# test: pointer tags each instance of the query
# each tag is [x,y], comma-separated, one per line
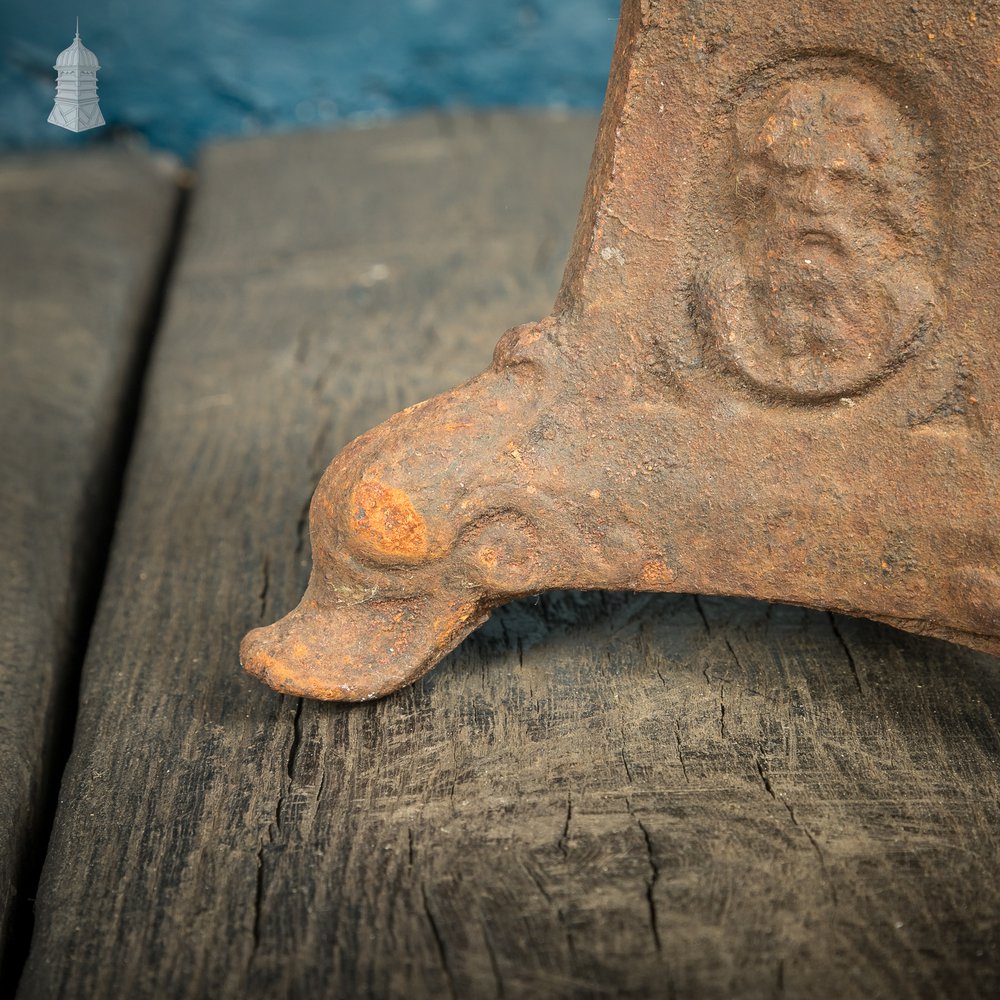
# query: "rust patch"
[383,518]
[655,574]
[451,628]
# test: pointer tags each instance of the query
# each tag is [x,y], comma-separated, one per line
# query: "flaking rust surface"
[772,369]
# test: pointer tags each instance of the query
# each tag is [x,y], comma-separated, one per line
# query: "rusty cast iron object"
[773,368]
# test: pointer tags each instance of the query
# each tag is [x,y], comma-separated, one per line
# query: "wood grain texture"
[596,795]
[83,235]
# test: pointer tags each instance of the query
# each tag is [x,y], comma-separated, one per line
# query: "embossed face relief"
[829,287]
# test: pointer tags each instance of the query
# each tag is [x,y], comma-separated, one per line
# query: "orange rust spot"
[384,517]
[276,672]
[447,627]
[656,573]
[295,678]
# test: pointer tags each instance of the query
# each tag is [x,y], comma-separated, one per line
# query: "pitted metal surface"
[772,370]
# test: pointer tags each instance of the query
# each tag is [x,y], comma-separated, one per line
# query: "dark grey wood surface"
[596,795]
[82,239]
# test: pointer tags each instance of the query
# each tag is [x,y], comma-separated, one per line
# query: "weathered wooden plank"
[596,795]
[83,238]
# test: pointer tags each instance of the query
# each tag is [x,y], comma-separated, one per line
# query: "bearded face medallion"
[830,288]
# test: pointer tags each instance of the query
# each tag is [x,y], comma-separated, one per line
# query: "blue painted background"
[182,72]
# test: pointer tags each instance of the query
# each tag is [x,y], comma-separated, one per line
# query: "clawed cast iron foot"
[771,371]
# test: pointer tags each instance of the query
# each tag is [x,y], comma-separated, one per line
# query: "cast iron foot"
[772,369]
